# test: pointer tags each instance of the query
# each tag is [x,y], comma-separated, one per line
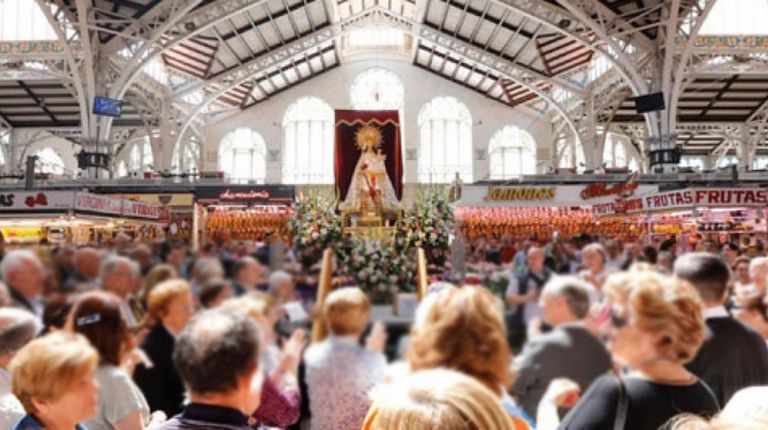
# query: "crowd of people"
[587,333]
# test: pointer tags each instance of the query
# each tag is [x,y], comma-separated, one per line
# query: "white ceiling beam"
[466,52]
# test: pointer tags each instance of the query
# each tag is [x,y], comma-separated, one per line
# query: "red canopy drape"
[348,122]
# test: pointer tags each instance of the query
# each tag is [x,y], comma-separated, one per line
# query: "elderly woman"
[656,327]
[170,306]
[122,406]
[463,329]
[437,399]
[340,372]
[594,258]
[53,378]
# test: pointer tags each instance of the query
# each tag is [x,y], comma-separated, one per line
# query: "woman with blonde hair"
[437,399]
[170,307]
[53,378]
[656,327]
[158,274]
[463,329]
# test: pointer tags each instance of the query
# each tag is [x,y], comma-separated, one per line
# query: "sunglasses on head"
[618,321]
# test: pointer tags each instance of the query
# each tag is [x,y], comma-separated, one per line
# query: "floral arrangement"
[315,226]
[379,269]
[428,224]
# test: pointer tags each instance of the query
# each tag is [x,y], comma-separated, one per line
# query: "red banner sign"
[601,190]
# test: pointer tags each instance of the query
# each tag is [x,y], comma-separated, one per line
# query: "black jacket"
[734,357]
[160,384]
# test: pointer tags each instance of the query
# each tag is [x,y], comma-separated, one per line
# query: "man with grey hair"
[281,287]
[17,328]
[24,275]
[84,277]
[569,350]
[118,275]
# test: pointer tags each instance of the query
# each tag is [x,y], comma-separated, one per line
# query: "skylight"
[376,36]
[23,20]
[737,17]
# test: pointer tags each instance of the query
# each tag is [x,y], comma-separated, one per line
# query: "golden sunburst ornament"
[368,138]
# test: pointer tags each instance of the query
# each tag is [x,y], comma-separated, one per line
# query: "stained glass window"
[377,89]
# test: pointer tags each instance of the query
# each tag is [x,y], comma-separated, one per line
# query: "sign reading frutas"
[521,193]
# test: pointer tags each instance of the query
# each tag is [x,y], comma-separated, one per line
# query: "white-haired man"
[17,328]
[568,351]
[24,275]
[118,275]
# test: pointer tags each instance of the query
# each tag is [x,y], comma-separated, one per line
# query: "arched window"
[512,153]
[122,170]
[377,89]
[728,160]
[185,156]
[308,142]
[572,156]
[445,148]
[242,156]
[692,162]
[614,152]
[50,161]
[141,157]
[760,162]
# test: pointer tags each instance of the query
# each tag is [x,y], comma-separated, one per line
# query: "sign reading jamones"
[692,197]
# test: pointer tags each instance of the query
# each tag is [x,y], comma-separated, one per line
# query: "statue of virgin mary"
[371,189]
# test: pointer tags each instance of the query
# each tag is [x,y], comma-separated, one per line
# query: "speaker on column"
[649,102]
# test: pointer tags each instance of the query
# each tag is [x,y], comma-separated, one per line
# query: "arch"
[185,156]
[141,157]
[242,155]
[308,142]
[377,89]
[445,146]
[49,161]
[615,152]
[512,152]
[122,169]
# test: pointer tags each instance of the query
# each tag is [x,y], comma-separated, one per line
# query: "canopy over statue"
[368,161]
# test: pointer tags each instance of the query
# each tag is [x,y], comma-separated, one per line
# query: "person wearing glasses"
[170,307]
[656,326]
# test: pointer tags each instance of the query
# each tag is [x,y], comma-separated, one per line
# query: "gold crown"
[368,138]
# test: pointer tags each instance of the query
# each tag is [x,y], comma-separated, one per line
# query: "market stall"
[519,212]
[179,207]
[244,212]
[696,214]
[73,216]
